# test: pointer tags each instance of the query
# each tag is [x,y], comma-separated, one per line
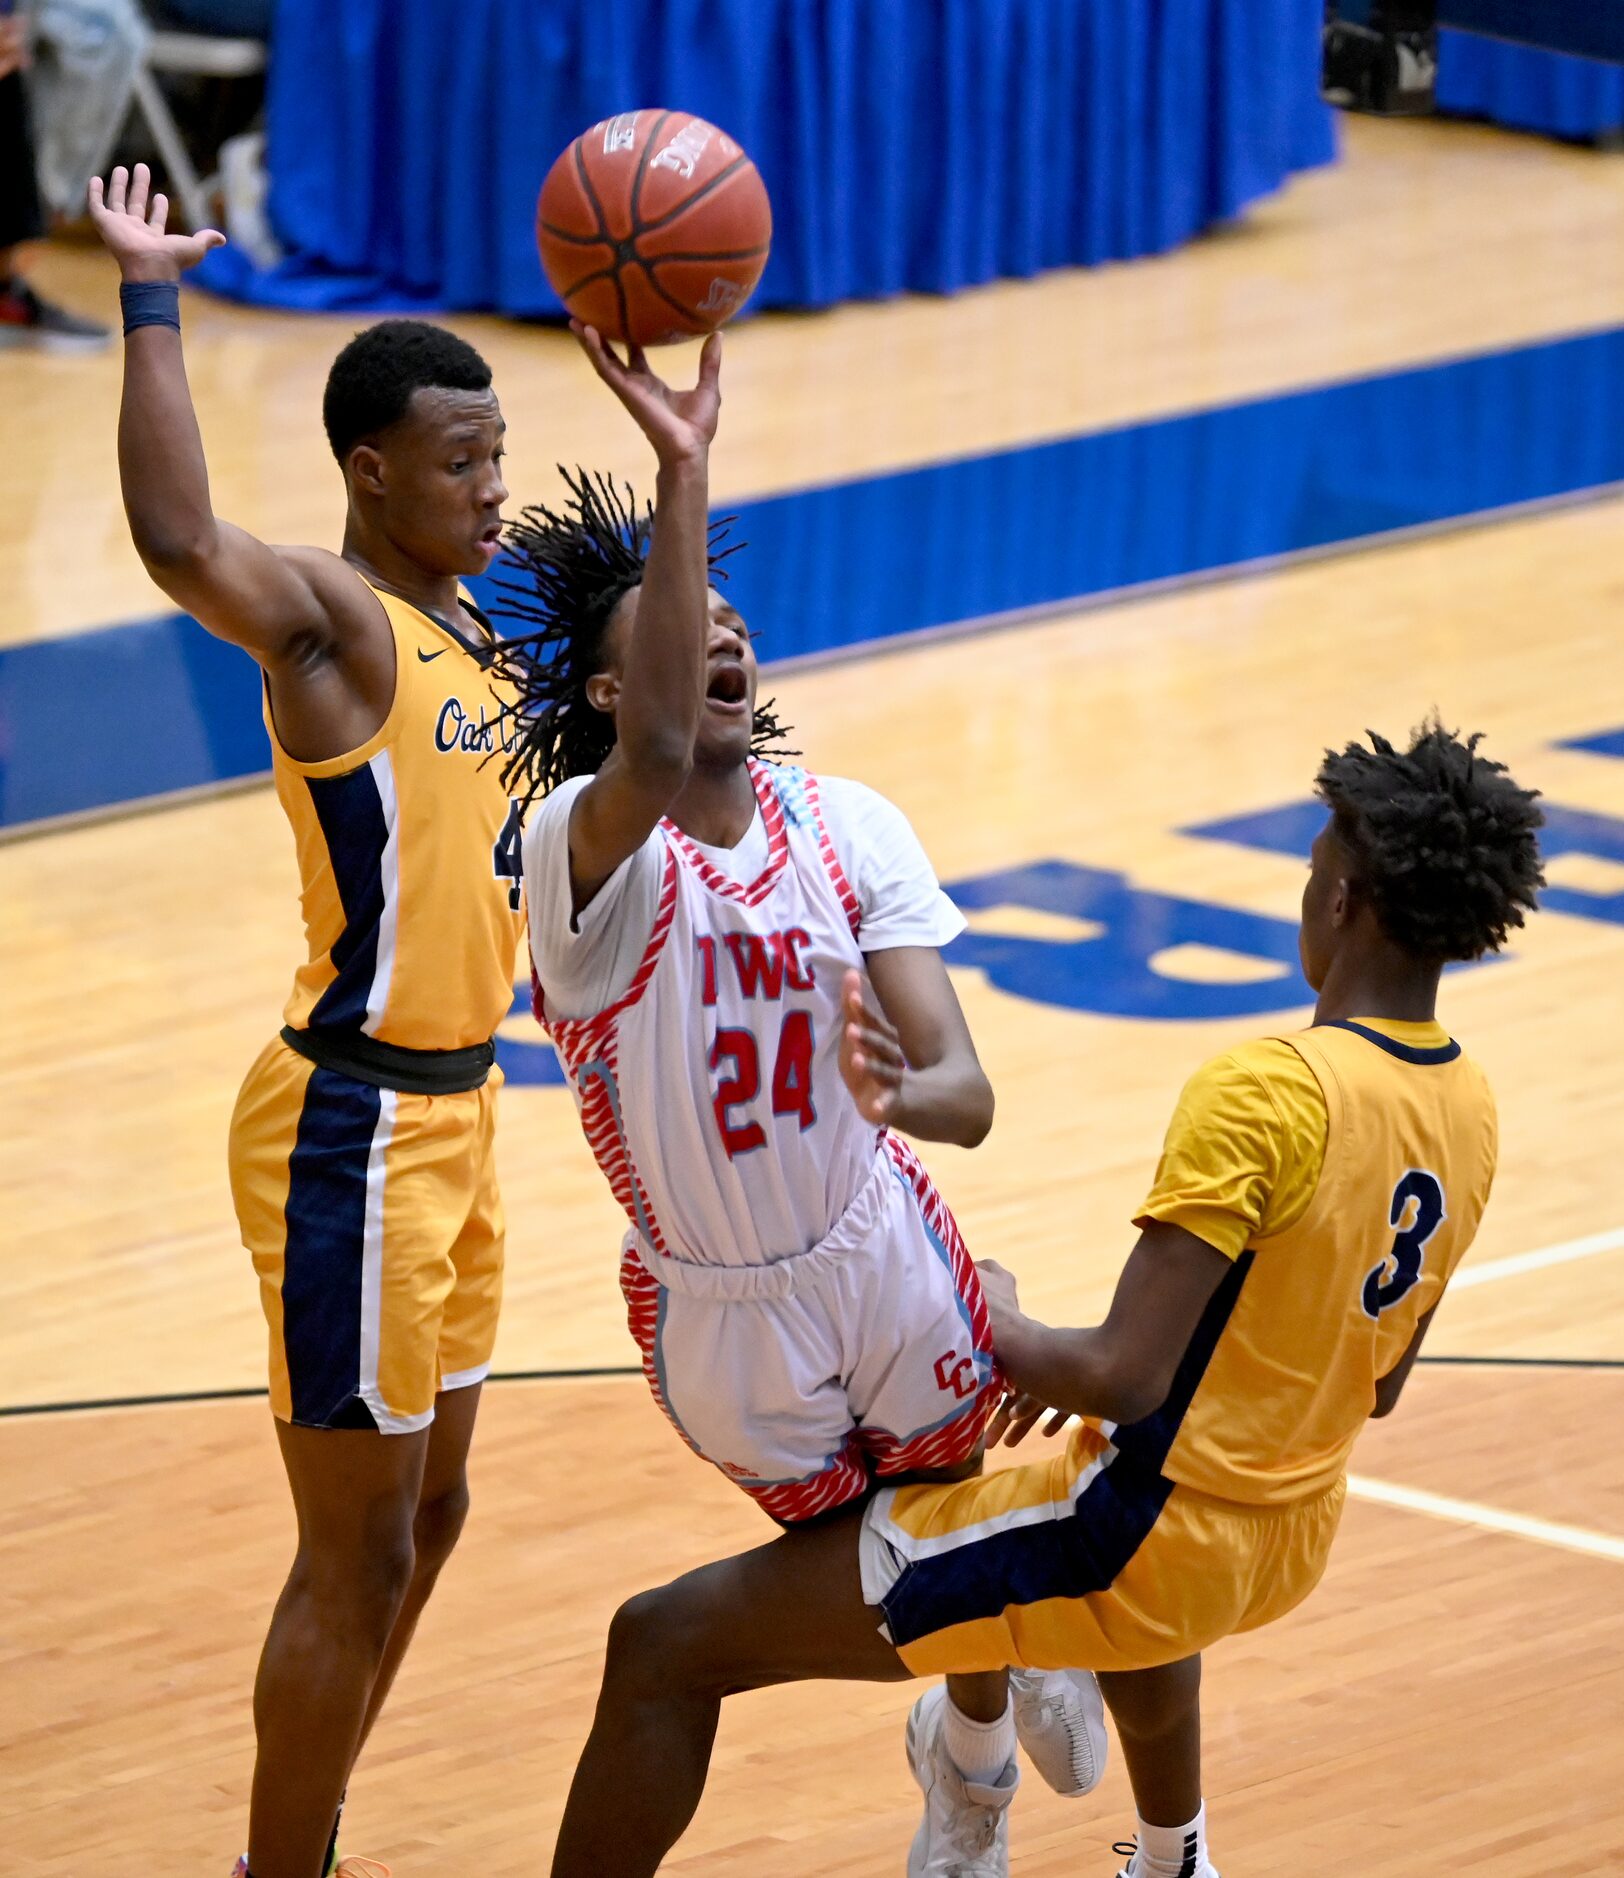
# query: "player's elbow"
[1130,1400]
[979,1104]
[1128,1388]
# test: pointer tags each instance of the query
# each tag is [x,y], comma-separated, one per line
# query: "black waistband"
[388,1066]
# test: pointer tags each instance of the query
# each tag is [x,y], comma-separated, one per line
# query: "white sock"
[1172,1851]
[979,1750]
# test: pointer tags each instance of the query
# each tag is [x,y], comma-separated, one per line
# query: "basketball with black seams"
[654,226]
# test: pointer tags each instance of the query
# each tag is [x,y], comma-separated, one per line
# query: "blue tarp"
[908,145]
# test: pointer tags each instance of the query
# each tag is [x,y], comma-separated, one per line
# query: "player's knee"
[385,1576]
[356,1588]
[634,1650]
[438,1526]
[657,1640]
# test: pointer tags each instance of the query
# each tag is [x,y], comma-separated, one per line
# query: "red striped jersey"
[709,1084]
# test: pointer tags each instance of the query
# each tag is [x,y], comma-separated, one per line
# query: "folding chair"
[195,55]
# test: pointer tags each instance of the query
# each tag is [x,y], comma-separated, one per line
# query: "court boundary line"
[183,1398]
[1487,1518]
[981,625]
[1563,1253]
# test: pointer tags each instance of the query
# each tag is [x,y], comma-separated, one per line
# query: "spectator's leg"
[20,218]
[26,319]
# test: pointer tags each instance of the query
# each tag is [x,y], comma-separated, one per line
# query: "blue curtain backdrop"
[909,145]
[1551,92]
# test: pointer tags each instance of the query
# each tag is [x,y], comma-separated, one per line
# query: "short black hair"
[1444,840]
[373,378]
[578,565]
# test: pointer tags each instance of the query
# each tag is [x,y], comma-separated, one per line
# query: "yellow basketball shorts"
[375,1226]
[1086,1561]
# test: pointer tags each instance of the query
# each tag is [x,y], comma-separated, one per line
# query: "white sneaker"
[1060,1721]
[965,1831]
[1133,1869]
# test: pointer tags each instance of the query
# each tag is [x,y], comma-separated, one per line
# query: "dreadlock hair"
[579,566]
[372,380]
[1444,840]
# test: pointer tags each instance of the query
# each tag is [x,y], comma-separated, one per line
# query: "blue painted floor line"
[106,719]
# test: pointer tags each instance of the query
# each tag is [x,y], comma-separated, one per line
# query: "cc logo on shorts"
[957,1373]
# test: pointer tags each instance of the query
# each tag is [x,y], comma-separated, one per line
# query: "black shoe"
[27,320]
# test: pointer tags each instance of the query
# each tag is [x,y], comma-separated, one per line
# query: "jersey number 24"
[792,1081]
[1398,1274]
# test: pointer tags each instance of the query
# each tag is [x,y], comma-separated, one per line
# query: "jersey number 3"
[1398,1273]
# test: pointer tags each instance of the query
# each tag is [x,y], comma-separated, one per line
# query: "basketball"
[653,226]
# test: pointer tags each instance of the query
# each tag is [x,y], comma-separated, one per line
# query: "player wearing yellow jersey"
[361,1147]
[1316,1192]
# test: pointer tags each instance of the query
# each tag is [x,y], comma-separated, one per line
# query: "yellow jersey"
[410,865]
[1345,1170]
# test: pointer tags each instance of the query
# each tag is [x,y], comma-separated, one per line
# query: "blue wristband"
[149,303]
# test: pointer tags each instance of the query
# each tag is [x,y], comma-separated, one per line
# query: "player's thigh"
[920,1374]
[1073,1561]
[354,1202]
[478,1252]
[752,1384]
[430,1319]
[789,1611]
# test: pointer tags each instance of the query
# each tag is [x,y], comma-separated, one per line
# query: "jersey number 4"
[507,857]
[792,1081]
[1397,1275]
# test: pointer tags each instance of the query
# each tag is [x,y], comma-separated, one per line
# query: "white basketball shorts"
[805,1380]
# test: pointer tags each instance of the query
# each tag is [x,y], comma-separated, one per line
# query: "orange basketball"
[654,226]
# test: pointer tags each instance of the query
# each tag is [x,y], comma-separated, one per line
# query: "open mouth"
[728,687]
[492,536]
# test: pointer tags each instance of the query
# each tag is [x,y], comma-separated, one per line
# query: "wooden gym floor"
[1449,1699]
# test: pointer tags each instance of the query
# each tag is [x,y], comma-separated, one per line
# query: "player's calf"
[1158,1717]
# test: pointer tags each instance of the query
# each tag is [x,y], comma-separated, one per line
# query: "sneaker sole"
[1098,1747]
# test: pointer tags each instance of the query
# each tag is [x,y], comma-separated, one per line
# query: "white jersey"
[702,1038]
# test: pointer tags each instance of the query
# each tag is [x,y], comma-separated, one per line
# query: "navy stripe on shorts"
[326,1228]
[1084,1551]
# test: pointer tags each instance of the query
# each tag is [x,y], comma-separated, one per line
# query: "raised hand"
[871,1059]
[132,226]
[678,423]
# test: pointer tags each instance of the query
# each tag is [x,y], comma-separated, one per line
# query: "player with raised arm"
[362,1143]
[1315,1194]
[701,926]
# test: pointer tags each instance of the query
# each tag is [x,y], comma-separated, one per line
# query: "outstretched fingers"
[710,362]
[140,185]
[593,344]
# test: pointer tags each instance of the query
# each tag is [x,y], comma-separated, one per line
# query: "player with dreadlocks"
[1315,1194]
[740,967]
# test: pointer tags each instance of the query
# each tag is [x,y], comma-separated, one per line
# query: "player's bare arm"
[655,689]
[906,1052]
[300,611]
[1122,1369]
